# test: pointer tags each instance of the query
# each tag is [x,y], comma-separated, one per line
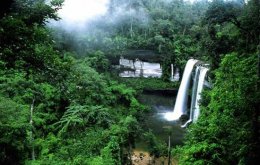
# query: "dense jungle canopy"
[60,102]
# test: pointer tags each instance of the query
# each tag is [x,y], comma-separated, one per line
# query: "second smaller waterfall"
[196,110]
[198,84]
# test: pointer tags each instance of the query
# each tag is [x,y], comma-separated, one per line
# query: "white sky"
[82,11]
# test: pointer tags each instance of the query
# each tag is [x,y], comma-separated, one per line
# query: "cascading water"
[180,107]
[193,97]
[202,76]
[172,73]
[198,83]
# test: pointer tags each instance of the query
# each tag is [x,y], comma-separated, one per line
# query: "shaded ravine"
[160,103]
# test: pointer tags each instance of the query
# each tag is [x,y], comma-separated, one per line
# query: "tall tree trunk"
[131,27]
[31,133]
[131,20]
[184,30]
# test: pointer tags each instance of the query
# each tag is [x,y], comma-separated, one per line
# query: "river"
[161,103]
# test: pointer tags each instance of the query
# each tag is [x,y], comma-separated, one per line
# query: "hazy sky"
[76,14]
[79,12]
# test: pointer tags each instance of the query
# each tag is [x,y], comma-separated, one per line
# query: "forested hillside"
[62,103]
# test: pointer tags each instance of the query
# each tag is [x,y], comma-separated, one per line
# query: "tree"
[14,127]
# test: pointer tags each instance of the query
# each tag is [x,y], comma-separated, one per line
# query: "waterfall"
[199,76]
[176,75]
[197,88]
[193,97]
[180,107]
[196,110]
[172,73]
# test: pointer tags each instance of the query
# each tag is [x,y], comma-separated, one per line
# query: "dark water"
[160,104]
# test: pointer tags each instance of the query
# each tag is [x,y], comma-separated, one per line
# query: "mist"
[89,25]
[81,15]
[91,22]
[76,15]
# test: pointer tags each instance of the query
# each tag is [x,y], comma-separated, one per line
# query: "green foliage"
[80,116]
[14,125]
[149,84]
[107,155]
[81,83]
[98,61]
[157,147]
[220,12]
[229,29]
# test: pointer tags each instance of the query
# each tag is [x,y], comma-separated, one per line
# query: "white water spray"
[180,107]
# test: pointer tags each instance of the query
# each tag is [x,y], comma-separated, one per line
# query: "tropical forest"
[129,82]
